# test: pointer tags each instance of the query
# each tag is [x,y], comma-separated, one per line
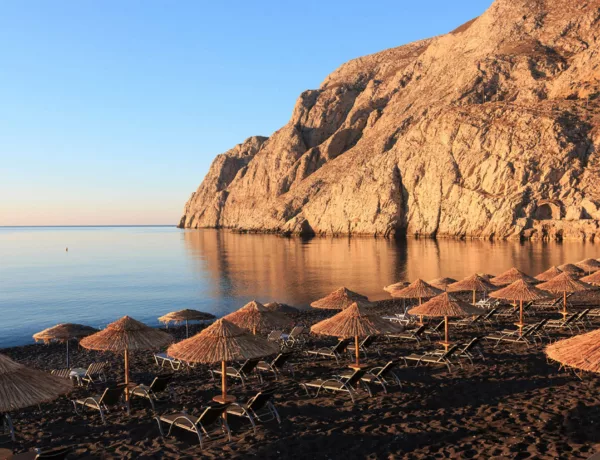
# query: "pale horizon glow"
[112,112]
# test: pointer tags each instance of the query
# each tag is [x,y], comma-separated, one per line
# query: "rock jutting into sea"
[489,131]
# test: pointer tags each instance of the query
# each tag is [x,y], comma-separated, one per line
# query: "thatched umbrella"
[571,269]
[475,283]
[520,290]
[588,265]
[184,316]
[564,283]
[396,286]
[339,299]
[441,283]
[222,342]
[418,289]
[63,333]
[447,306]
[594,278]
[355,321]
[125,335]
[255,317]
[21,386]
[510,276]
[549,274]
[580,352]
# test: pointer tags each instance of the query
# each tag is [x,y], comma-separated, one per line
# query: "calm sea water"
[146,272]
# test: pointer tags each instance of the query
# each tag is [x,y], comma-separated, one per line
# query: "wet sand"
[513,405]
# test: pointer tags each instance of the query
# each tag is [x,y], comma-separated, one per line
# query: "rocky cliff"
[490,131]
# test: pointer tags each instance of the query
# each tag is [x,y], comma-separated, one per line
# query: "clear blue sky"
[112,111]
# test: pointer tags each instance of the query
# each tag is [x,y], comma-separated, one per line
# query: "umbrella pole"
[357,351]
[126,375]
[187,331]
[564,312]
[420,316]
[446,343]
[521,318]
[474,297]
[68,354]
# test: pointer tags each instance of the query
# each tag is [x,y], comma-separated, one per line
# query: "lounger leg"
[160,430]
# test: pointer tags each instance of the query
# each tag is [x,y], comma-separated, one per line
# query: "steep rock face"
[489,131]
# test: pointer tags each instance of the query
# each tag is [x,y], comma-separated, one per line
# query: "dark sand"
[514,405]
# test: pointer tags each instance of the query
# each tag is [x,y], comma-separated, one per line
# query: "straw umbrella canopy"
[520,290]
[222,342]
[441,283]
[564,283]
[549,274]
[447,306]
[255,317]
[474,283]
[22,386]
[571,269]
[510,276]
[281,307]
[594,278]
[339,300]
[396,286]
[355,321]
[418,289]
[125,335]
[580,352]
[184,316]
[588,265]
[63,333]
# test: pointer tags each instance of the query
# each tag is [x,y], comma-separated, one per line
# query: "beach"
[512,405]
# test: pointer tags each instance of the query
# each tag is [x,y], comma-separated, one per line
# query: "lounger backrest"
[472,344]
[249,366]
[160,383]
[55,454]
[453,349]
[95,368]
[281,359]
[211,414]
[387,368]
[583,314]
[341,346]
[420,330]
[275,335]
[439,326]
[356,376]
[368,341]
[297,331]
[490,313]
[259,401]
[571,319]
[112,395]
[62,373]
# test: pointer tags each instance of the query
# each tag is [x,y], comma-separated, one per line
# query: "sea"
[95,275]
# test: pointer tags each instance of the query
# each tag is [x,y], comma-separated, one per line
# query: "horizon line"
[99,225]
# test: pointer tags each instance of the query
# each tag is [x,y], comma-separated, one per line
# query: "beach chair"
[62,373]
[471,351]
[489,318]
[277,366]
[93,374]
[436,331]
[413,334]
[110,398]
[163,359]
[275,336]
[443,358]
[567,323]
[383,375]
[366,344]
[159,386]
[338,384]
[242,373]
[582,321]
[331,352]
[530,333]
[57,453]
[210,417]
[258,408]
[295,338]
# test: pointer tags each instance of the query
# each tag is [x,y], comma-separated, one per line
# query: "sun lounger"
[471,351]
[530,333]
[62,373]
[443,358]
[57,453]
[331,352]
[436,331]
[110,398]
[383,375]
[275,336]
[364,346]
[93,374]
[242,373]
[567,323]
[277,366]
[582,321]
[159,386]
[413,334]
[258,408]
[210,417]
[338,384]
[295,338]
[163,359]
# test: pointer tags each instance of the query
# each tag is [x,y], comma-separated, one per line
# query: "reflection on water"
[147,272]
[296,271]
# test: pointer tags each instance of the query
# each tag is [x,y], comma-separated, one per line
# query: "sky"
[111,112]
